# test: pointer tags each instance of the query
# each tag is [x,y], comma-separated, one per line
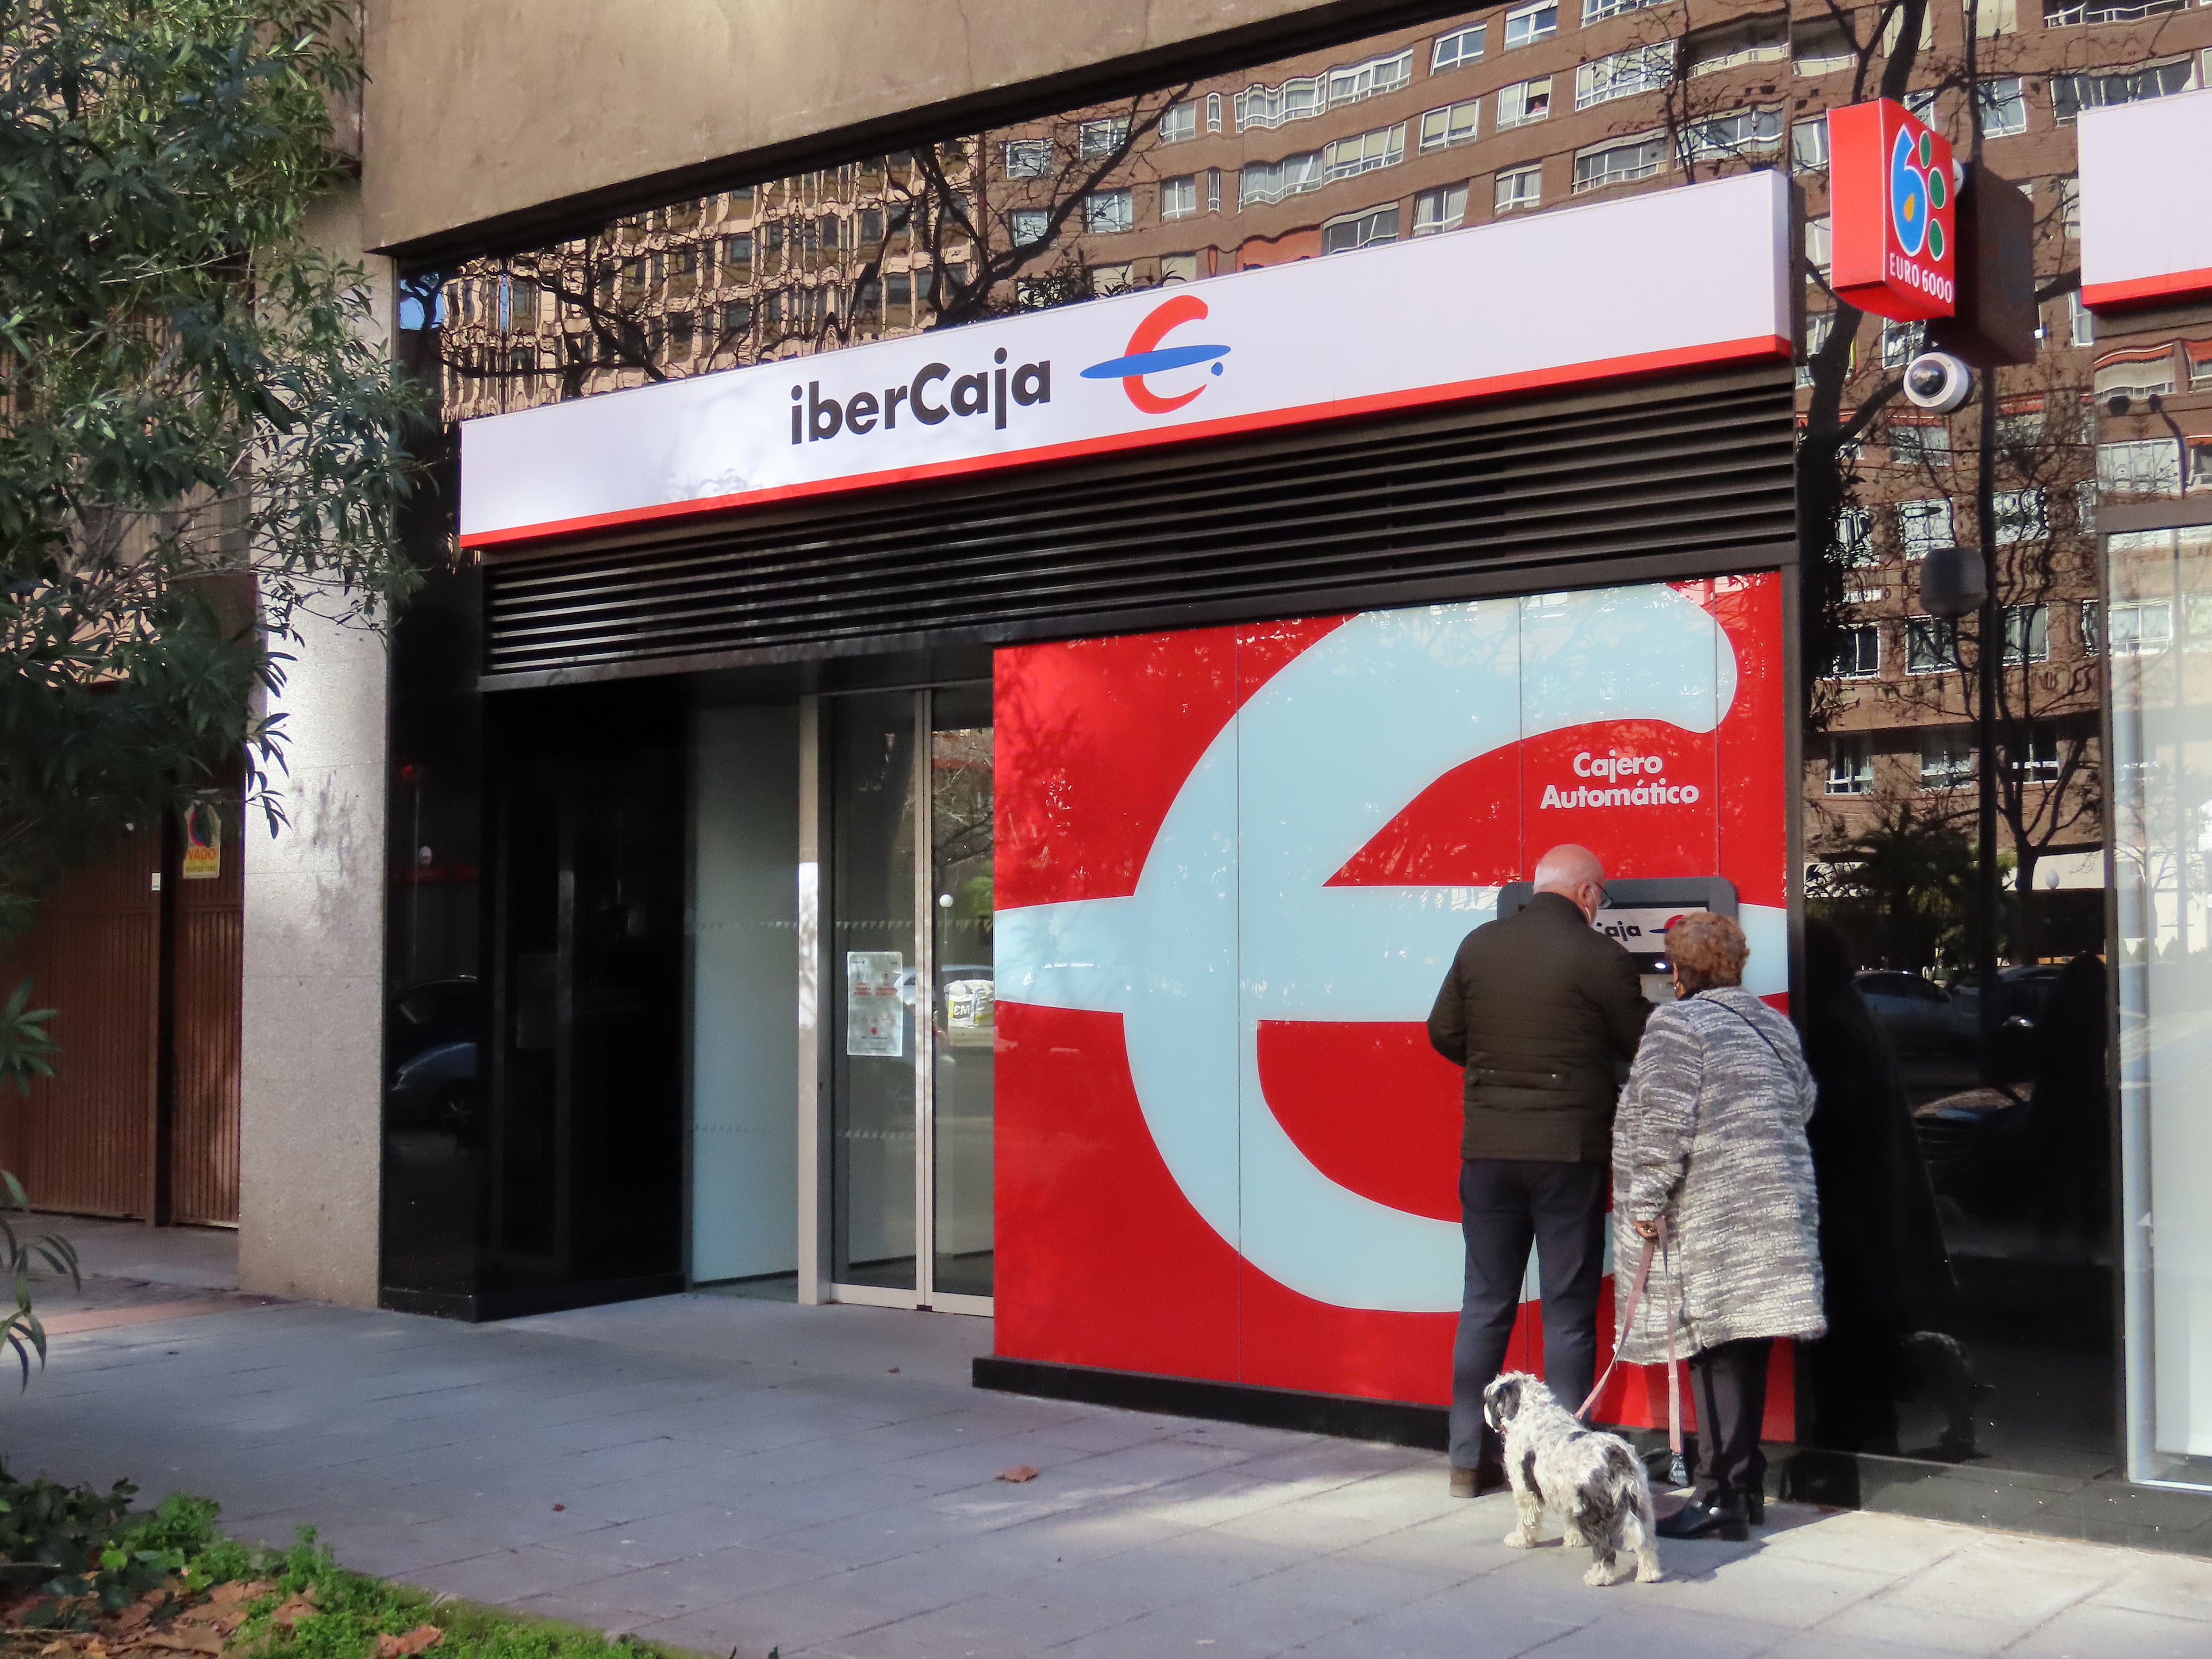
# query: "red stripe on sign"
[2175,284]
[1647,362]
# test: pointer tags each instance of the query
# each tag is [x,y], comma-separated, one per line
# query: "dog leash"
[1651,1247]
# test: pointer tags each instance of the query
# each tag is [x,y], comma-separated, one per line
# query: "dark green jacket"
[1542,1009]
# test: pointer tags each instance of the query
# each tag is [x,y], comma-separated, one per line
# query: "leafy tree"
[200,440]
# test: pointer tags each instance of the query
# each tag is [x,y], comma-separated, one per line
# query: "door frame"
[819,982]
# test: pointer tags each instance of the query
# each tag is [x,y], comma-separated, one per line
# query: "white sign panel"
[875,1013]
[1665,281]
[2145,236]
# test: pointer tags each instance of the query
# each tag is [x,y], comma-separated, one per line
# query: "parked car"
[432,1037]
[1915,1013]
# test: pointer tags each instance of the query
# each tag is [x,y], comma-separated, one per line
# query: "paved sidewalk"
[723,1474]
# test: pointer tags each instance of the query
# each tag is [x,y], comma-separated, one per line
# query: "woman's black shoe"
[1754,1505]
[1704,1518]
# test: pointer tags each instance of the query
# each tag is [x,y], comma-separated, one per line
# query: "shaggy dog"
[1594,1482]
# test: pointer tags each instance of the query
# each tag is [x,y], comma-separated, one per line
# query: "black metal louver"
[1697,473]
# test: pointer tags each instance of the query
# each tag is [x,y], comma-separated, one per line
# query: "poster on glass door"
[1232,866]
[875,1015]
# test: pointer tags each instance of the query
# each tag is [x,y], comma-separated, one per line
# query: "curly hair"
[1706,950]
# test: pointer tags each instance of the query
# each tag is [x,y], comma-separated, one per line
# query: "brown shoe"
[1487,1477]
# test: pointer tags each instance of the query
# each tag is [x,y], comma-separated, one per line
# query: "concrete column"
[311,1121]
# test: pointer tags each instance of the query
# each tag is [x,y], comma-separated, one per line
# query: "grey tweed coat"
[1711,1131]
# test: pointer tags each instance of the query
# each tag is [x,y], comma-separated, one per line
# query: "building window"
[2139,628]
[2199,353]
[1619,164]
[1524,101]
[1347,158]
[1106,280]
[1595,11]
[1102,136]
[1213,112]
[1441,210]
[1267,108]
[1178,268]
[1179,196]
[1027,158]
[1753,40]
[2080,321]
[1808,145]
[1919,438]
[2004,107]
[2022,516]
[1855,535]
[1930,645]
[2072,94]
[1213,190]
[1946,760]
[1526,25]
[1028,225]
[1850,766]
[2020,426]
[1820,244]
[1624,74]
[1924,526]
[1901,343]
[1858,653]
[2146,467]
[1461,47]
[1105,211]
[1179,122]
[1350,232]
[1520,187]
[2134,375]
[1995,17]
[1454,125]
[1747,132]
[1819,325]
[2085,507]
[738,315]
[1823,48]
[2026,634]
[2057,15]
[1271,181]
[1376,75]
[2037,760]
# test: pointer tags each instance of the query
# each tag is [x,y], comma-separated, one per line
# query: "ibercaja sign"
[1893,196]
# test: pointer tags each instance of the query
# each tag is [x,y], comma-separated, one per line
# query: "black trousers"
[1731,1384]
[1506,1205]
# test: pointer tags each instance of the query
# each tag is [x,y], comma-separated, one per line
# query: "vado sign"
[1532,301]
[1893,194]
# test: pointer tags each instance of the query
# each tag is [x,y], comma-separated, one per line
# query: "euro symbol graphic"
[1145,354]
[1233,922]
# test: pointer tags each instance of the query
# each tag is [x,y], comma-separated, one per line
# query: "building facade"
[900,788]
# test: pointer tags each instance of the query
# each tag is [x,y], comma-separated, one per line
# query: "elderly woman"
[1710,1137]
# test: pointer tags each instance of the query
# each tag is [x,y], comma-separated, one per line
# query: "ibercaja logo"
[1895,200]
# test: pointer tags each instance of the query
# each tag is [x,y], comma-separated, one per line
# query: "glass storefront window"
[2161,787]
[964,1025]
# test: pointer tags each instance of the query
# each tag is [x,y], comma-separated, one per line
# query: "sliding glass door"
[909,915]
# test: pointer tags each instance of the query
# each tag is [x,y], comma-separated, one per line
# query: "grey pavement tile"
[504,1576]
[1785,1593]
[1205,1500]
[1155,1576]
[694,1529]
[1834,1644]
[2106,1632]
[699,1581]
[1463,1624]
[2173,1584]
[1895,1544]
[880,1533]
[1990,1628]
[1638,1628]
[1469,1540]
[793,1618]
[1298,1525]
[982,1627]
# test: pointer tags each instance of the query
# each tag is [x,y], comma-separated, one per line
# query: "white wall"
[744,1053]
[311,1112]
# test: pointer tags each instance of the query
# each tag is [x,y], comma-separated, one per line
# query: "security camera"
[1937,381]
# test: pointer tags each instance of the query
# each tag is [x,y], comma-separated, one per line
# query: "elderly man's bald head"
[1573,872]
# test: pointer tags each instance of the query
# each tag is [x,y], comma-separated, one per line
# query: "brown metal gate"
[142,1118]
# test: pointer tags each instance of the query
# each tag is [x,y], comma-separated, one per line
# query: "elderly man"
[1542,1011]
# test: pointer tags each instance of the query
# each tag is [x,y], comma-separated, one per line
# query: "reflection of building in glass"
[1421,132]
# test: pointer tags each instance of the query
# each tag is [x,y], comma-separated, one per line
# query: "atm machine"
[1639,912]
